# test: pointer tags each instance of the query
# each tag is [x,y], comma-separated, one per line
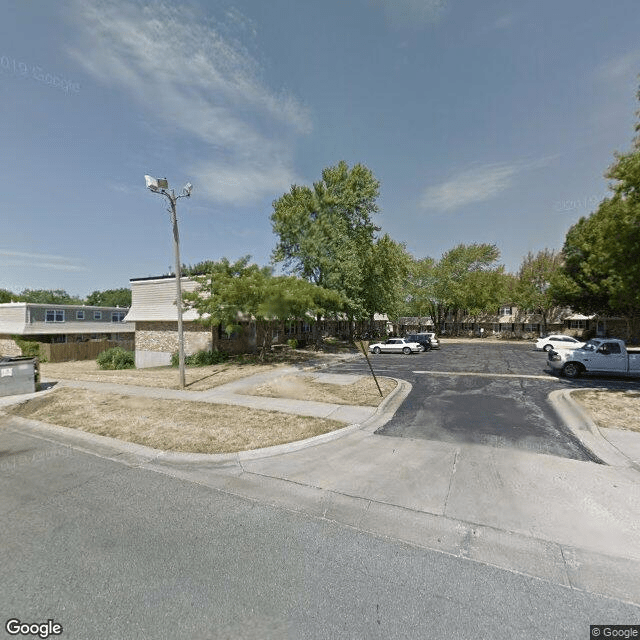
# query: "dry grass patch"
[197,378]
[612,409]
[361,392]
[171,425]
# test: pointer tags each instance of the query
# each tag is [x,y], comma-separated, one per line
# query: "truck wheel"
[376,350]
[406,350]
[572,370]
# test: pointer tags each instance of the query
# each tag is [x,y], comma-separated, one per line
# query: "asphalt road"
[493,394]
[110,550]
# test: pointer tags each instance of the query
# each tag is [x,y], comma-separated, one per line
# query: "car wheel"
[376,350]
[547,347]
[572,370]
[426,347]
[406,350]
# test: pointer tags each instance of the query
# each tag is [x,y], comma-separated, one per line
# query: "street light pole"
[162,186]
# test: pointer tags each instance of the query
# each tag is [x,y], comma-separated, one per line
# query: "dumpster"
[18,375]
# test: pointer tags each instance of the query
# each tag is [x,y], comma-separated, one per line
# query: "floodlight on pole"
[161,185]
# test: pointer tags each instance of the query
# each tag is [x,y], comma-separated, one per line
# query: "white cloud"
[197,78]
[412,12]
[38,260]
[242,183]
[470,186]
[623,66]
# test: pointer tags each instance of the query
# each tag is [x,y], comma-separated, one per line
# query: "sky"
[488,121]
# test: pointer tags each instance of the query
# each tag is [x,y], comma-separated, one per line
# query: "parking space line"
[488,375]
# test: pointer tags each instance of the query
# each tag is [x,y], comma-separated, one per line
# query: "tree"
[533,285]
[49,296]
[385,271]
[110,298]
[231,292]
[7,296]
[325,233]
[602,252]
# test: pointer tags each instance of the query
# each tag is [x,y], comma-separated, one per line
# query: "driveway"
[493,394]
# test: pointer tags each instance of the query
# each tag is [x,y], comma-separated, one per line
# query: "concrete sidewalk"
[573,523]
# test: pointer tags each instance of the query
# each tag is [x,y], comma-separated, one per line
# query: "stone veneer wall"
[163,337]
[8,347]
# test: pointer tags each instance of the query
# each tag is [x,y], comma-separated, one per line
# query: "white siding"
[13,317]
[156,300]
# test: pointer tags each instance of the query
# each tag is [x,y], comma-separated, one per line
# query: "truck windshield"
[590,346]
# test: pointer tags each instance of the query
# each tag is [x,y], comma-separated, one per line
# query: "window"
[531,328]
[118,316]
[97,315]
[505,311]
[54,315]
[577,324]
[79,315]
[610,347]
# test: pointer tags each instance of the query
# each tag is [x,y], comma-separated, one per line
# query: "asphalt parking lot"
[486,393]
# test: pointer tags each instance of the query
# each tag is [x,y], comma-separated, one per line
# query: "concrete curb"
[586,431]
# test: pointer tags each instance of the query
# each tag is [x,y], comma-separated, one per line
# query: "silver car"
[395,345]
[557,342]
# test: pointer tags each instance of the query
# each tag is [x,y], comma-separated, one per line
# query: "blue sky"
[486,121]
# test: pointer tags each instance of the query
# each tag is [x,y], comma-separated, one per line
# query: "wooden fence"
[66,351]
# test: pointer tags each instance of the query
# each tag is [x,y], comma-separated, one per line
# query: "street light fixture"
[161,186]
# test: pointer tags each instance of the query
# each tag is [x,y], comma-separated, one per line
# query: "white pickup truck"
[600,355]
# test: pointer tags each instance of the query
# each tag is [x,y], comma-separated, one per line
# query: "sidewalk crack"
[453,473]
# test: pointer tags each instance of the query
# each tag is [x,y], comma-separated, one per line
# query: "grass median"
[193,426]
[171,425]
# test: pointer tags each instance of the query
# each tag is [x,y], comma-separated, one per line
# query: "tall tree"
[602,252]
[110,298]
[325,233]
[466,278]
[385,271]
[533,284]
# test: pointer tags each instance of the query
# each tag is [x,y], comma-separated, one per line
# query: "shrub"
[201,358]
[116,358]
[30,348]
[293,343]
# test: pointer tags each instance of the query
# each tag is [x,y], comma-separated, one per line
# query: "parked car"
[596,356]
[557,342]
[422,337]
[395,345]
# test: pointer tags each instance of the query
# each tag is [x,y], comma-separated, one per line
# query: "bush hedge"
[30,348]
[116,358]
[201,358]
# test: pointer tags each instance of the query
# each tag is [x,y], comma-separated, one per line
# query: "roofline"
[55,304]
[156,278]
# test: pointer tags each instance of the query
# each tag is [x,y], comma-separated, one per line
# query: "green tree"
[110,298]
[7,296]
[232,292]
[533,285]
[385,270]
[325,233]
[49,296]
[602,252]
